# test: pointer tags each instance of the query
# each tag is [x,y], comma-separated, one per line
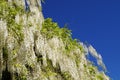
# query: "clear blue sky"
[94,21]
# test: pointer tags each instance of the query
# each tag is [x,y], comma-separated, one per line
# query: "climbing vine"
[51,29]
[8,14]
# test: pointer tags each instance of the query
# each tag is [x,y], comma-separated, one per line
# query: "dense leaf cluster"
[51,29]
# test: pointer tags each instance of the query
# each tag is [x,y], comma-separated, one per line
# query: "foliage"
[51,29]
[100,77]
[19,76]
[49,70]
[66,76]
[77,59]
[8,13]
[22,74]
[91,70]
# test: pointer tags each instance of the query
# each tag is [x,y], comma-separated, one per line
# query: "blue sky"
[94,21]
